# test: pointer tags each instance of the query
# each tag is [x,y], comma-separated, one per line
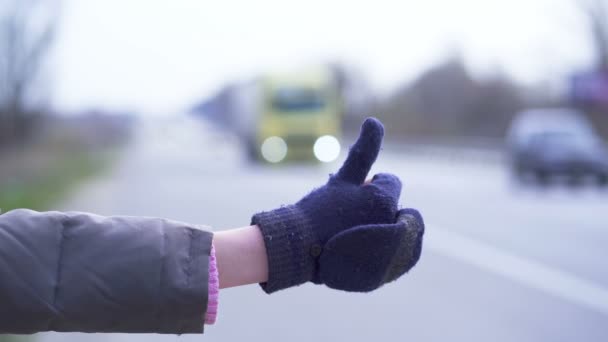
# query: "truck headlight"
[326,148]
[274,149]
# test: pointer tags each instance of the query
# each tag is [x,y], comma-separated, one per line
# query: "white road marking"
[527,272]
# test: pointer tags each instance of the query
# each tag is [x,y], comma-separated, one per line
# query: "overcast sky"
[160,56]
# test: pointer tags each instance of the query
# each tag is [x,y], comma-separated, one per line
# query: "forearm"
[241,256]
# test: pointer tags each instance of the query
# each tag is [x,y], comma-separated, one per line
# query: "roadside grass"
[63,172]
[14,338]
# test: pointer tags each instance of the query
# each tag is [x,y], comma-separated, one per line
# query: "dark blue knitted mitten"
[346,234]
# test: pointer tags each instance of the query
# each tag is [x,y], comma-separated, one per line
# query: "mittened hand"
[346,234]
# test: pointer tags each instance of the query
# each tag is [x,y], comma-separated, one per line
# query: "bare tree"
[594,101]
[27,28]
[446,100]
[596,12]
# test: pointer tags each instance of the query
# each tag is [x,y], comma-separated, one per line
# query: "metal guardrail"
[470,150]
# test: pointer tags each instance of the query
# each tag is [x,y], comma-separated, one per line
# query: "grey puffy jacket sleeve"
[88,273]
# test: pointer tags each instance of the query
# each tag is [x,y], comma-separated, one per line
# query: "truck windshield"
[298,100]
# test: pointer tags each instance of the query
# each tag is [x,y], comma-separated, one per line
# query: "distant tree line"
[27,30]
[595,13]
[447,101]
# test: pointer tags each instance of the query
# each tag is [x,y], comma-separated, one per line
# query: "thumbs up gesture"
[348,234]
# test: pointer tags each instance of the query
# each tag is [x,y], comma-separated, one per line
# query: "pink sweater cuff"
[213,289]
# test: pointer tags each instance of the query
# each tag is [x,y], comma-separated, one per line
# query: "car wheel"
[518,174]
[575,179]
[602,179]
[251,150]
[542,177]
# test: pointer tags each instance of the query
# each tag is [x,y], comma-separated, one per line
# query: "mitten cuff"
[289,239]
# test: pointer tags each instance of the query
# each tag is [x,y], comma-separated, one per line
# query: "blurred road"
[500,262]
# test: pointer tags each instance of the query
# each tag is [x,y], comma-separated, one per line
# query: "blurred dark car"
[556,142]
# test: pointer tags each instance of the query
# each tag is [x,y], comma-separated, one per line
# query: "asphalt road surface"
[500,262]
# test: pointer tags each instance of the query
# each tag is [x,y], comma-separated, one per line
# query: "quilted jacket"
[88,273]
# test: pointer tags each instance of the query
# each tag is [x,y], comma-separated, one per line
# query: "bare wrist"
[241,256]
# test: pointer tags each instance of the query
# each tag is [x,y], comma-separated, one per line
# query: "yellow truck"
[300,117]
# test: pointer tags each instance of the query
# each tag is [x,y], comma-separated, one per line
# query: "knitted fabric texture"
[213,289]
[288,237]
[296,235]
